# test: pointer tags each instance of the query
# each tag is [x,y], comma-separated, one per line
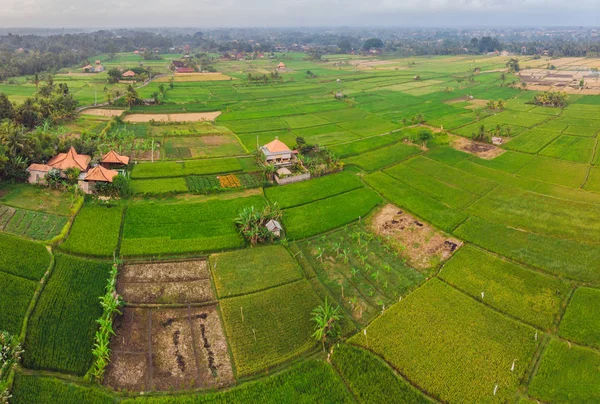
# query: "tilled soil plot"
[169,348]
[422,245]
[482,150]
[166,283]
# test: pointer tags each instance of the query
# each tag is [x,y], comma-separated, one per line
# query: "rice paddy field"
[463,272]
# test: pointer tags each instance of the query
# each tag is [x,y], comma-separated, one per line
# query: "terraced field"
[463,272]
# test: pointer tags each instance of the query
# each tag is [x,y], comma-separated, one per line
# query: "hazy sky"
[257,13]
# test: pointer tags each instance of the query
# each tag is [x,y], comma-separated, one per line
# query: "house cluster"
[179,67]
[97,68]
[89,176]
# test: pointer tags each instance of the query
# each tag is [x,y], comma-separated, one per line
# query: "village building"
[281,66]
[129,74]
[113,160]
[87,182]
[274,227]
[88,177]
[61,162]
[181,70]
[177,64]
[98,69]
[278,154]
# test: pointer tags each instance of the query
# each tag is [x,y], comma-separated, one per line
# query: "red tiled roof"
[113,157]
[277,146]
[70,159]
[39,167]
[129,73]
[100,173]
[185,70]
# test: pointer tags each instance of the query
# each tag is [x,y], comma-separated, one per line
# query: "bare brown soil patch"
[184,117]
[477,103]
[422,245]
[187,77]
[483,150]
[166,283]
[103,112]
[214,140]
[169,348]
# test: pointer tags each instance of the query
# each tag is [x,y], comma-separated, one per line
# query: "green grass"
[39,389]
[572,148]
[371,379]
[449,195]
[326,214]
[567,375]
[565,258]
[508,161]
[447,155]
[539,213]
[309,191]
[593,181]
[451,175]
[155,229]
[415,201]
[13,308]
[253,269]
[166,169]
[581,321]
[60,332]
[95,231]
[159,186]
[383,157]
[270,327]
[555,171]
[309,382]
[23,258]
[531,141]
[522,293]
[36,198]
[451,346]
[362,146]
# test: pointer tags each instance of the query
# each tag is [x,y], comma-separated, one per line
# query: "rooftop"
[100,173]
[70,159]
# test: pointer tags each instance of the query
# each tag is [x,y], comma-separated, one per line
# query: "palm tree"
[326,318]
[13,138]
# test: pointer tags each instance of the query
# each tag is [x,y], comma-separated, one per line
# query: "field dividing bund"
[530,296]
[95,231]
[316,189]
[563,258]
[540,214]
[60,331]
[183,228]
[567,373]
[359,271]
[267,328]
[413,200]
[327,214]
[581,321]
[252,270]
[165,169]
[451,346]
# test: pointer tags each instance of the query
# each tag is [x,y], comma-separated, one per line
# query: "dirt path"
[185,117]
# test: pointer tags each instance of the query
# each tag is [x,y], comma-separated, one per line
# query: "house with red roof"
[88,177]
[278,154]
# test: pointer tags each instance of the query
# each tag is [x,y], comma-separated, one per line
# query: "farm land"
[464,271]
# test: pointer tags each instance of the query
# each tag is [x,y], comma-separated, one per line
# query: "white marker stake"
[365,332]
[512,368]
[536,335]
[242,313]
[482,295]
[495,389]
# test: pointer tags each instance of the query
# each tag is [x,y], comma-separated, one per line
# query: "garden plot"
[422,245]
[189,117]
[182,147]
[166,282]
[28,223]
[360,271]
[166,348]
